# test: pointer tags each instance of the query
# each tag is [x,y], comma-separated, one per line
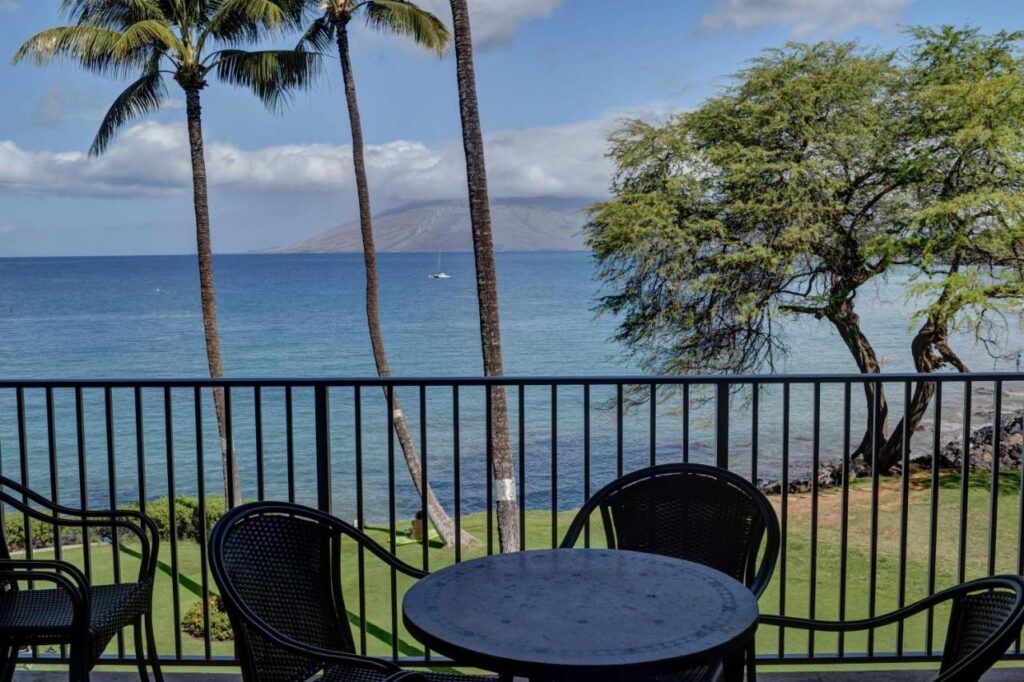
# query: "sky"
[554,77]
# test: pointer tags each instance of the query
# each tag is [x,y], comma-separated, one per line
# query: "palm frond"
[404,18]
[145,34]
[114,14]
[238,20]
[319,36]
[91,47]
[142,97]
[273,75]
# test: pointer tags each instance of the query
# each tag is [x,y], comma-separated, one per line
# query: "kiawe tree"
[499,446]
[190,41]
[822,168]
[331,29]
[774,199]
[964,93]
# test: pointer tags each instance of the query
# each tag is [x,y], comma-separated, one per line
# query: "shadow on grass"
[183,580]
[381,635]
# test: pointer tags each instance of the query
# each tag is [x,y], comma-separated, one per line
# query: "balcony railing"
[852,547]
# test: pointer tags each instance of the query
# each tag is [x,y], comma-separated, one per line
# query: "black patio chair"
[694,512]
[985,619]
[70,610]
[278,567]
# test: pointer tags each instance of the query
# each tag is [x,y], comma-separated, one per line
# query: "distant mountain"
[536,224]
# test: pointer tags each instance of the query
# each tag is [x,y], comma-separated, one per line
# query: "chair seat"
[351,674]
[31,617]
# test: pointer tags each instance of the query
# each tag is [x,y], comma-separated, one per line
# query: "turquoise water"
[302,316]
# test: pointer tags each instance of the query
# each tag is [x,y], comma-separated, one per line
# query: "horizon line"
[266,252]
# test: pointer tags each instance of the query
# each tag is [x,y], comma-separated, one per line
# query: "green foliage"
[397,17]
[41,532]
[186,515]
[121,37]
[220,626]
[966,94]
[770,199]
[820,168]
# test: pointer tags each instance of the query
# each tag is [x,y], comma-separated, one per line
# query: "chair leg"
[8,661]
[154,656]
[78,671]
[140,651]
[733,666]
[751,664]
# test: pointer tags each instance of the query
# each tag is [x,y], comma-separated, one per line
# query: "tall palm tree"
[190,41]
[486,276]
[402,18]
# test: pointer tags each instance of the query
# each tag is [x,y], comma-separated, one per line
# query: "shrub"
[186,521]
[186,515]
[42,533]
[220,626]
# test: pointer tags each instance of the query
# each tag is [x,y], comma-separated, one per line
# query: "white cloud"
[152,159]
[495,22]
[9,5]
[832,17]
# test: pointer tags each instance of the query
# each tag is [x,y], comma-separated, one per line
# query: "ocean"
[303,316]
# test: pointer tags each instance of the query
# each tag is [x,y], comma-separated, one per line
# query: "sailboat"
[439,274]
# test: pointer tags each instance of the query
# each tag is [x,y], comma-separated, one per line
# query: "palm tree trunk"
[193,109]
[438,516]
[486,277]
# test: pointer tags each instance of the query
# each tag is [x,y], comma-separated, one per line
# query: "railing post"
[722,425]
[322,415]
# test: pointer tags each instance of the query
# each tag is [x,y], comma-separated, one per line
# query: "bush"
[220,626]
[186,515]
[186,521]
[42,533]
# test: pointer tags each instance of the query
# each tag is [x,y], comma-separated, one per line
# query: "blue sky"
[553,77]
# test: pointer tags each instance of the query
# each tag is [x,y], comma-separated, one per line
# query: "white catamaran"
[439,274]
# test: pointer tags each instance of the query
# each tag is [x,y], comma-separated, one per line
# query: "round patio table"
[580,614]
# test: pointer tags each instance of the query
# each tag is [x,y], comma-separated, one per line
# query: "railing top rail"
[565,380]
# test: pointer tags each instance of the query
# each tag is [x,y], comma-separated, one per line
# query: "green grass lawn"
[377,619]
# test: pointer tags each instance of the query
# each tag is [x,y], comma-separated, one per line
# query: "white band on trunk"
[505,490]
[397,414]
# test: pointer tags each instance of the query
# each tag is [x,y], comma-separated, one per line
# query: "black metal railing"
[852,546]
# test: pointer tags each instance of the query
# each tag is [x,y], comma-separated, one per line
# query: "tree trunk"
[847,323]
[932,352]
[438,517]
[232,491]
[486,277]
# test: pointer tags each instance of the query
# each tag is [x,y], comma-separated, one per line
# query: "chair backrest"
[280,563]
[689,511]
[986,618]
[27,502]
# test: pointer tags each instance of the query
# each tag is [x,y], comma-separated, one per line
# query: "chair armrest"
[831,625]
[387,557]
[1008,582]
[137,523]
[855,625]
[65,576]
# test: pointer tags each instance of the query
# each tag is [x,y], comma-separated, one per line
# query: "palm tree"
[486,276]
[189,40]
[402,18]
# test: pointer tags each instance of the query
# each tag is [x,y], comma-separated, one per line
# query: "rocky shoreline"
[951,456]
